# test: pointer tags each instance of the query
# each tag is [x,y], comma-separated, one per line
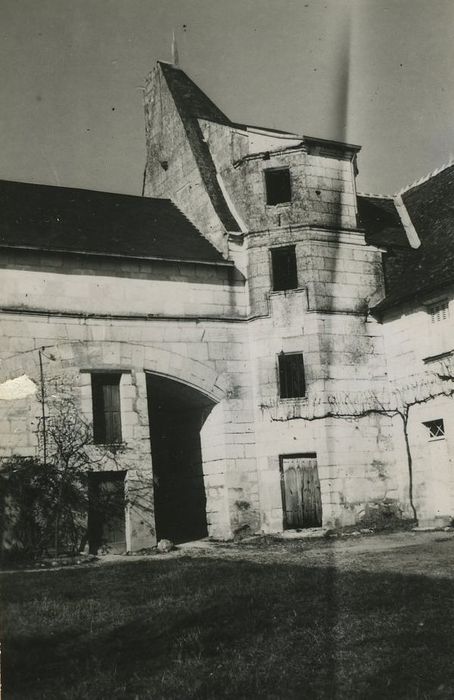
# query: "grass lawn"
[299,623]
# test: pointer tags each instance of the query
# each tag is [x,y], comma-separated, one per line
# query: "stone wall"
[135,318]
[343,358]
[337,270]
[171,169]
[211,329]
[84,284]
[322,181]
[324,318]
[416,349]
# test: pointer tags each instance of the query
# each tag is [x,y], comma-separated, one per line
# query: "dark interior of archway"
[177,413]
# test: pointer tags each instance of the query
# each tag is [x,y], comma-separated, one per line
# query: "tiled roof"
[43,217]
[192,104]
[418,273]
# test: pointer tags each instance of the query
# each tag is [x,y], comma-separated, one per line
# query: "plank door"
[302,503]
[106,514]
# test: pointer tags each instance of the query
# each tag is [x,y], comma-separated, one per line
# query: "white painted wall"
[412,344]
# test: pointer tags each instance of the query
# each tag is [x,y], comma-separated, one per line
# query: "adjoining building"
[416,231]
[250,331]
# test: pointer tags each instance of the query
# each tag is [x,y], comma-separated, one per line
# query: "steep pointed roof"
[190,100]
[192,104]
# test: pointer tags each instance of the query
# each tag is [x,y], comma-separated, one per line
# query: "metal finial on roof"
[175,57]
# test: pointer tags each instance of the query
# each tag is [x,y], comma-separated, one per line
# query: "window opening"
[283,262]
[106,408]
[277,183]
[436,428]
[292,382]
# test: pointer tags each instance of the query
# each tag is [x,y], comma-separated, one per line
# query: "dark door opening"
[106,512]
[301,498]
[177,413]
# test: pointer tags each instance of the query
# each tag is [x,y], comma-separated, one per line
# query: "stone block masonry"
[178,350]
[199,346]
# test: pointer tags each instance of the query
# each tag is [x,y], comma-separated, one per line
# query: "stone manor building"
[271,349]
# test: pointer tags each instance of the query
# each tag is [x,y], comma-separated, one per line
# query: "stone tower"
[284,207]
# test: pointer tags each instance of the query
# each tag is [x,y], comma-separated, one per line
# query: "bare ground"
[356,617]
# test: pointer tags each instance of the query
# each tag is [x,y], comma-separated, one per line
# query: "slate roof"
[424,271]
[44,217]
[189,98]
[379,217]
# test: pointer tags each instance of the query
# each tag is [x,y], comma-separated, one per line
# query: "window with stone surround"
[436,428]
[106,408]
[292,382]
[284,271]
[277,185]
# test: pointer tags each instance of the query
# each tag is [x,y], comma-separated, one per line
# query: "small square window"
[106,408]
[277,183]
[439,312]
[292,382]
[283,263]
[436,428]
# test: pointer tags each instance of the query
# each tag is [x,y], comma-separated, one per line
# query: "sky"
[372,72]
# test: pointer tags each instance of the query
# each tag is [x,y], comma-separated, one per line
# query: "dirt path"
[428,553]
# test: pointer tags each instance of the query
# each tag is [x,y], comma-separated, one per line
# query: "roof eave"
[387,304]
[341,145]
[100,254]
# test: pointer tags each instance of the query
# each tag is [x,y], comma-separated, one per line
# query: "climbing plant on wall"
[393,399]
[45,498]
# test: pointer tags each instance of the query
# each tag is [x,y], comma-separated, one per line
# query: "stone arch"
[177,414]
[67,357]
[122,355]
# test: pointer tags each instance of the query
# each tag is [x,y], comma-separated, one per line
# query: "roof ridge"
[377,196]
[71,188]
[427,177]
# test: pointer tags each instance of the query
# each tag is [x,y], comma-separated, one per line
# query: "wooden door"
[106,514]
[301,499]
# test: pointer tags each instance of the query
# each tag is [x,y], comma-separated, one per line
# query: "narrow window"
[283,262]
[277,183]
[292,383]
[436,428]
[439,311]
[106,408]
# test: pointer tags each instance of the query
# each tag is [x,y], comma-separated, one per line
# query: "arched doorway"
[177,413]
